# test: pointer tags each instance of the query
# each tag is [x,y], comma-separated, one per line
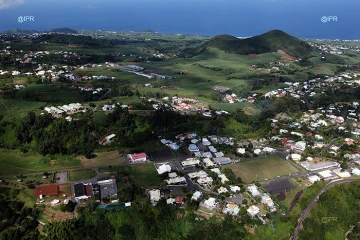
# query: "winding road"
[307,210]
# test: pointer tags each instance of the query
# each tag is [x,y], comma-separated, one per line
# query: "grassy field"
[265,168]
[144,175]
[16,163]
[102,159]
[81,175]
[18,107]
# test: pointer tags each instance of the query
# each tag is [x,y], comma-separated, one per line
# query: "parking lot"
[279,186]
[61,177]
[163,155]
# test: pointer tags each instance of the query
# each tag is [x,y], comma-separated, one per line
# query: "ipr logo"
[22,19]
[326,19]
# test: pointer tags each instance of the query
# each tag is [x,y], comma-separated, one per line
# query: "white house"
[266,200]
[253,190]
[253,210]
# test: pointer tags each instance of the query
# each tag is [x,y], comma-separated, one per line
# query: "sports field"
[265,168]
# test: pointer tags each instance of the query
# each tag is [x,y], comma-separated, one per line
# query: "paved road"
[331,143]
[307,210]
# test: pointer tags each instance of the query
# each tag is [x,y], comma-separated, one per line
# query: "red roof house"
[47,190]
[179,200]
[138,157]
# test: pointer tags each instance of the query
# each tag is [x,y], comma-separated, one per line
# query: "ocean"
[332,19]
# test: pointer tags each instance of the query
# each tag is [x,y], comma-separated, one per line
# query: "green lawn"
[265,168]
[144,175]
[81,175]
[16,163]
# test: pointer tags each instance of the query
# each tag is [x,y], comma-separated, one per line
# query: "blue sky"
[208,17]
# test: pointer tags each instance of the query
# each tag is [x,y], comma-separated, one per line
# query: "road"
[331,143]
[312,203]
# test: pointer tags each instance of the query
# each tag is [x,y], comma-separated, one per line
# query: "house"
[82,191]
[199,174]
[253,190]
[240,150]
[231,209]
[341,173]
[193,148]
[314,178]
[206,142]
[295,157]
[222,160]
[355,171]
[257,151]
[205,181]
[219,154]
[301,145]
[163,168]
[222,190]
[208,163]
[212,149]
[170,200]
[190,162]
[138,157]
[155,196]
[234,189]
[179,200]
[209,203]
[176,181]
[46,190]
[223,178]
[196,196]
[253,210]
[266,200]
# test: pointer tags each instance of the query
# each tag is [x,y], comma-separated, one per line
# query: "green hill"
[268,42]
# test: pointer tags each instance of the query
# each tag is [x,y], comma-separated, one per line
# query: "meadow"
[16,163]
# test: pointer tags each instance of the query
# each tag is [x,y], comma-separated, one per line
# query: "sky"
[241,18]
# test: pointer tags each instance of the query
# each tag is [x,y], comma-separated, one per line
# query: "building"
[222,190]
[314,178]
[163,168]
[196,196]
[155,196]
[266,200]
[193,148]
[209,203]
[190,162]
[253,210]
[82,191]
[46,190]
[231,209]
[222,160]
[253,190]
[208,163]
[138,157]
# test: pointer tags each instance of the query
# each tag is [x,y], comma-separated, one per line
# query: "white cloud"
[8,3]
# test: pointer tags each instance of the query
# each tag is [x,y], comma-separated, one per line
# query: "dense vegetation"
[17,222]
[268,42]
[78,40]
[64,30]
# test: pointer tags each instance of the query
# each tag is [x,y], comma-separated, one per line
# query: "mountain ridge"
[271,41]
